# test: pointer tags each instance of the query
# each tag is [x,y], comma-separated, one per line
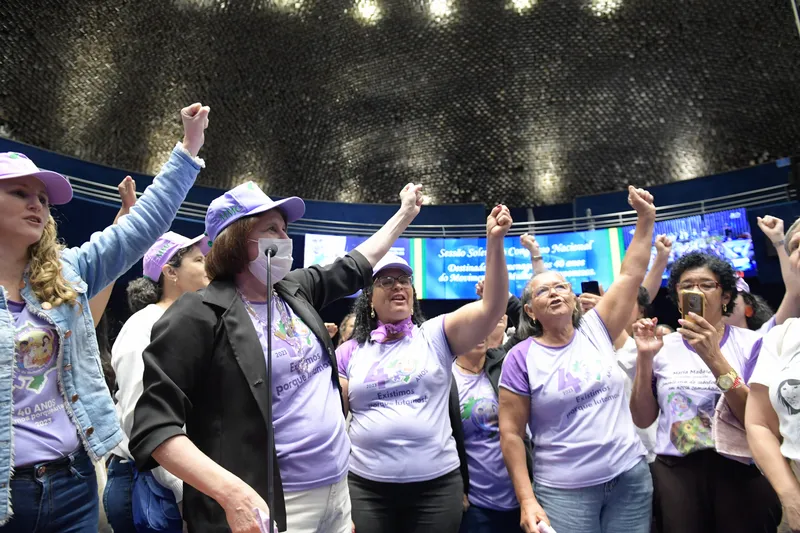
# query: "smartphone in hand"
[592,287]
[693,302]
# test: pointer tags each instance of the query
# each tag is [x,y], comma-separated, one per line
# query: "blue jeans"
[622,505]
[483,520]
[117,495]
[55,497]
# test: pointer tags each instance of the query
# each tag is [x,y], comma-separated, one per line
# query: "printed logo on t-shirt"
[789,395]
[35,352]
[395,370]
[483,413]
[581,375]
[691,430]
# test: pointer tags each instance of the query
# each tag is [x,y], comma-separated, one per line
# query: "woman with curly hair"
[396,378]
[679,380]
[61,415]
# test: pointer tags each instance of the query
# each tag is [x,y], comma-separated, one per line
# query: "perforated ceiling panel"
[521,101]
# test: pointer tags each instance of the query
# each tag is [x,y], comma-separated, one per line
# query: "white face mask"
[281,261]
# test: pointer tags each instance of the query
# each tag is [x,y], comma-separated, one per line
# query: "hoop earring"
[724,308]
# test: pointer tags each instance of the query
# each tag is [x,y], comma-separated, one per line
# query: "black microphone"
[271,250]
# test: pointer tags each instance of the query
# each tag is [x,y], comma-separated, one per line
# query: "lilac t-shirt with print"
[489,483]
[583,433]
[310,435]
[43,430]
[399,393]
[687,392]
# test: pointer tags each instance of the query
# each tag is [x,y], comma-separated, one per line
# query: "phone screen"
[592,287]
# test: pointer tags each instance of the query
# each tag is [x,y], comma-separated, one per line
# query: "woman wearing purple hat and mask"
[396,379]
[206,369]
[61,415]
[563,382]
[172,266]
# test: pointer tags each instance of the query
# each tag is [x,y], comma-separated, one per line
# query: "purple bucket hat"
[16,165]
[246,200]
[165,249]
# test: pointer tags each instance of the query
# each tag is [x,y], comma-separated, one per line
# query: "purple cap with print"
[16,165]
[165,249]
[245,200]
[391,261]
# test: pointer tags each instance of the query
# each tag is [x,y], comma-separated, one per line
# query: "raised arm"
[644,406]
[537,262]
[110,253]
[617,303]
[127,194]
[382,240]
[790,305]
[652,281]
[472,323]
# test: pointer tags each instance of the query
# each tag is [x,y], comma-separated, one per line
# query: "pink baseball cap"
[165,249]
[391,261]
[245,200]
[17,165]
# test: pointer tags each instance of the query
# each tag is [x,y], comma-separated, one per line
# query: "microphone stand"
[269,252]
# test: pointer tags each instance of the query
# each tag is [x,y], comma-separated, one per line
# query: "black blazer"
[205,368]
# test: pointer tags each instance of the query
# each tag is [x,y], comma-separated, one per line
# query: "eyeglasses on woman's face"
[387,282]
[560,289]
[705,285]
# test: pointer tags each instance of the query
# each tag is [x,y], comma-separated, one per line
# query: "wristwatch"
[729,381]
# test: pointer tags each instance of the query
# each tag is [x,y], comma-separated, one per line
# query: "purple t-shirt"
[687,392]
[489,483]
[310,435]
[399,393]
[583,433]
[43,430]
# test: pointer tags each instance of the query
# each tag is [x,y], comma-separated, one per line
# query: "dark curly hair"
[643,301]
[723,270]
[762,312]
[144,291]
[529,327]
[364,323]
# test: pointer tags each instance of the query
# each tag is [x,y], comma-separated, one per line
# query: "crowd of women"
[590,417]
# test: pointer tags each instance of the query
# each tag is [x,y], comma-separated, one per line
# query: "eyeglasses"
[559,288]
[705,286]
[387,282]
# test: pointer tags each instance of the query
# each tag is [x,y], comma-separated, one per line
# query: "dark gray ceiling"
[526,102]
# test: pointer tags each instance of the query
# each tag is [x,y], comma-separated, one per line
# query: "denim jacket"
[90,268]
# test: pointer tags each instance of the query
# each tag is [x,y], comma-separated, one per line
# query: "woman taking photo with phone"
[679,380]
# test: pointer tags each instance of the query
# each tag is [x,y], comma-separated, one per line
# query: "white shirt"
[126,358]
[778,369]
[626,358]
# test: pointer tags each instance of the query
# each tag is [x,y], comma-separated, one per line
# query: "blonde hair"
[46,278]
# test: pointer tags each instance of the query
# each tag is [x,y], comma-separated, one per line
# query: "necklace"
[469,369]
[290,336]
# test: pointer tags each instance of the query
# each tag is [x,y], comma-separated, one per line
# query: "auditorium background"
[549,106]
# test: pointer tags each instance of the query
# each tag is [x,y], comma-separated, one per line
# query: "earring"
[724,308]
[372,312]
[412,311]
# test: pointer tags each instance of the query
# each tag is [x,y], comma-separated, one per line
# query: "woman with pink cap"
[205,369]
[172,266]
[59,415]
[396,379]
